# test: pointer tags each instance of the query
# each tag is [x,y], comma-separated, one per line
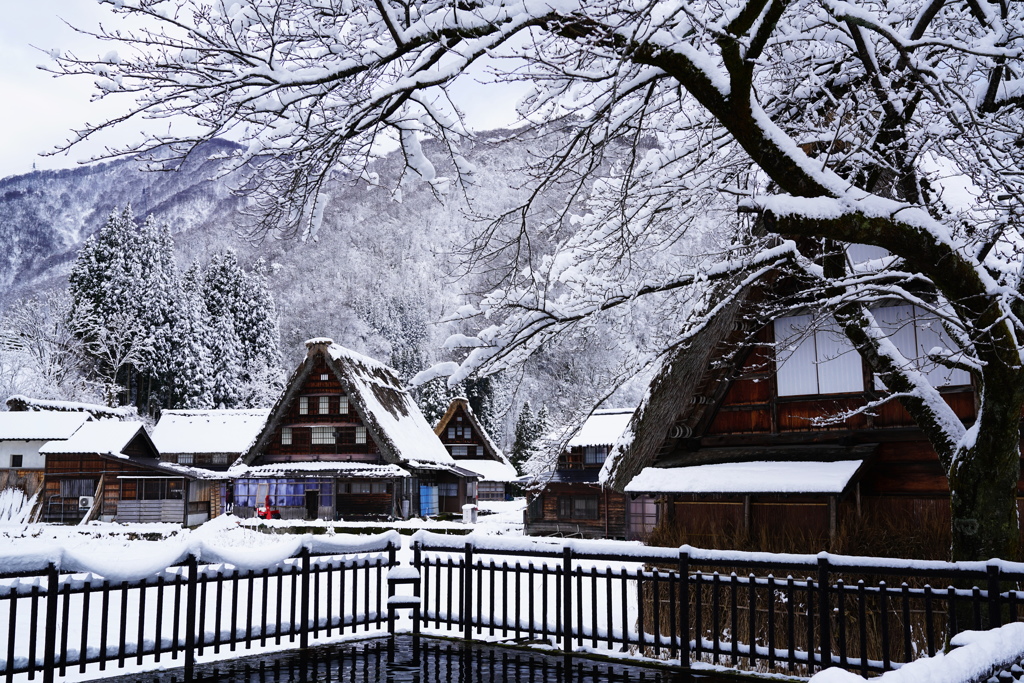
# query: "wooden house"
[472,448]
[21,436]
[111,470]
[210,439]
[756,432]
[346,440]
[572,501]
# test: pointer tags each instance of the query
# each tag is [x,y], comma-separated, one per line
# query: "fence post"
[467,594]
[417,562]
[50,642]
[191,593]
[304,607]
[824,614]
[567,599]
[995,617]
[684,609]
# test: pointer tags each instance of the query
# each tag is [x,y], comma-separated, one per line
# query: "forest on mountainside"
[385,276]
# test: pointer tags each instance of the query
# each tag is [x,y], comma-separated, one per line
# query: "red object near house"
[268,511]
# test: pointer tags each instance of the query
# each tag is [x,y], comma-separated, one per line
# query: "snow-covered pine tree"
[193,374]
[524,436]
[246,337]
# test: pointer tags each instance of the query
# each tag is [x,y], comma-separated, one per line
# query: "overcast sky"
[38,111]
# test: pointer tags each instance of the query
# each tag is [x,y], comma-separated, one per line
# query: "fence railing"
[58,622]
[756,611]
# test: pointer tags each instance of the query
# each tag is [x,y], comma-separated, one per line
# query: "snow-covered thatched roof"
[490,470]
[19,403]
[101,437]
[677,397]
[490,448]
[208,431]
[40,426]
[392,418]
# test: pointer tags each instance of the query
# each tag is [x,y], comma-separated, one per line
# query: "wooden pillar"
[832,517]
[747,514]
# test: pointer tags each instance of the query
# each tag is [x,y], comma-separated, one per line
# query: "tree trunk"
[983,479]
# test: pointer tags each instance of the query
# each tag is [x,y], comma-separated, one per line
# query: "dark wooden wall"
[469,436]
[611,513]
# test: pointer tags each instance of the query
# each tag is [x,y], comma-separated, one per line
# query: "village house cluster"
[737,436]
[344,440]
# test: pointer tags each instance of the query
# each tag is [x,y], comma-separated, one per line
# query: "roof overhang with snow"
[602,428]
[307,470]
[755,477]
[490,470]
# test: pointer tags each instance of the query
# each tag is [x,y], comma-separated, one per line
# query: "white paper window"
[324,378]
[343,405]
[186,458]
[325,405]
[451,432]
[323,435]
[360,434]
[594,455]
[818,361]
[286,436]
[303,405]
[915,332]
[460,451]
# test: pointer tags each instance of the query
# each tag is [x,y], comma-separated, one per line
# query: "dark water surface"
[434,661]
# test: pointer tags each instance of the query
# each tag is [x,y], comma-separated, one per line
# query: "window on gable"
[460,451]
[303,405]
[815,357]
[325,403]
[286,436]
[343,405]
[360,434]
[915,332]
[323,435]
[324,378]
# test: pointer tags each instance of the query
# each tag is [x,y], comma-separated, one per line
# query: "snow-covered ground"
[36,543]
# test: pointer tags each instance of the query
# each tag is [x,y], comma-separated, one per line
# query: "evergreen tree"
[193,374]
[245,347]
[524,437]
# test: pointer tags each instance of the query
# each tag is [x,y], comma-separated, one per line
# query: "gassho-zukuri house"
[472,448]
[736,435]
[345,440]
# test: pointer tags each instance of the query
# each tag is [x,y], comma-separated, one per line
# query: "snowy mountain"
[382,273]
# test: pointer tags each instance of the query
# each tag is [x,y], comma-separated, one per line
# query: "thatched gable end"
[674,403]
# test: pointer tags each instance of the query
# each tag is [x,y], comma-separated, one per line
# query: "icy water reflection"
[437,661]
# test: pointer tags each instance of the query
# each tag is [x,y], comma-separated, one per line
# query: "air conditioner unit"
[85,502]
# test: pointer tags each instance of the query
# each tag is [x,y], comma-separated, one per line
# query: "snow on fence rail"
[320,589]
[765,612]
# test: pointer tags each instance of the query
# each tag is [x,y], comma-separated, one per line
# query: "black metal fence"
[56,623]
[795,614]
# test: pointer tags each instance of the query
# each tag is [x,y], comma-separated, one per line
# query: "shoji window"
[815,357]
[915,332]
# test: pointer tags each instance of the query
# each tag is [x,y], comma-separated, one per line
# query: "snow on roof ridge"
[319,341]
[34,404]
[199,412]
[338,351]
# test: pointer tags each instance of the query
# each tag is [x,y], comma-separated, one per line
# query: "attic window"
[460,451]
[815,357]
[186,458]
[451,432]
[286,436]
[303,405]
[360,434]
[324,378]
[343,405]
[325,404]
